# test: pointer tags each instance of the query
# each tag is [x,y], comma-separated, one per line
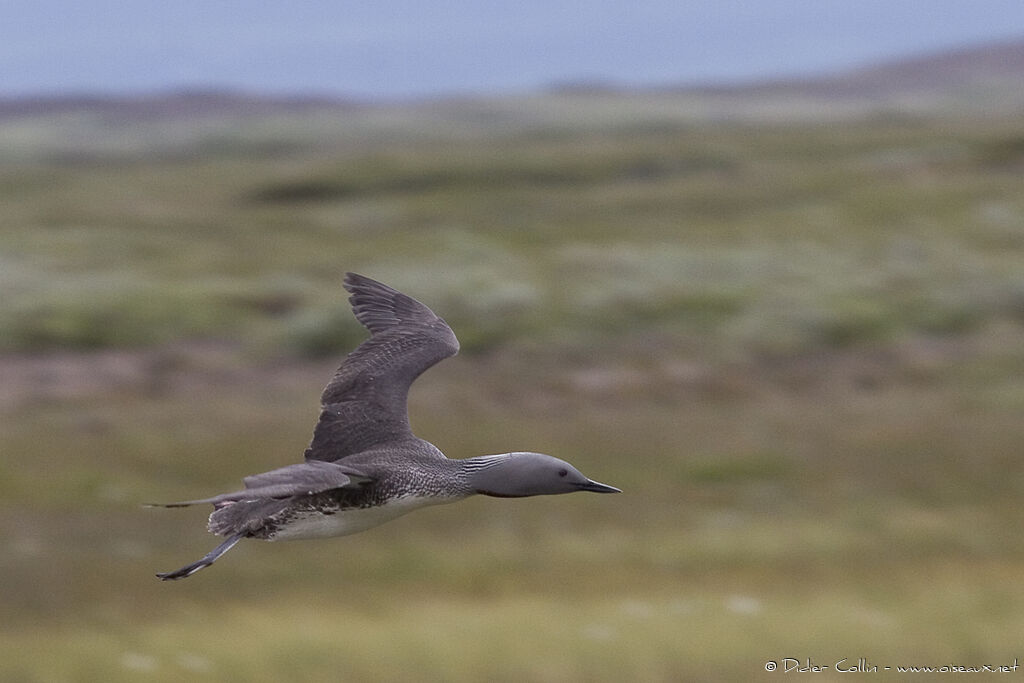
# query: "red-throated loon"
[364,466]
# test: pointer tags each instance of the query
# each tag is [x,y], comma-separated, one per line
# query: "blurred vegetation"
[797,348]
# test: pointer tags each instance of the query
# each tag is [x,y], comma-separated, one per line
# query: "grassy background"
[797,348]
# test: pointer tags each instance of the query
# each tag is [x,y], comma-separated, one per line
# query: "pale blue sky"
[404,48]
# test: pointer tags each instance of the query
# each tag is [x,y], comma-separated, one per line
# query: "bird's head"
[516,475]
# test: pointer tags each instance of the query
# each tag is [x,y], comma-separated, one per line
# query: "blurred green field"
[797,348]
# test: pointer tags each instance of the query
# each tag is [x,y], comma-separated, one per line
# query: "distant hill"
[169,105]
[987,69]
[987,78]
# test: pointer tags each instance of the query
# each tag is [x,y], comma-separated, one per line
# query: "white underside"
[352,521]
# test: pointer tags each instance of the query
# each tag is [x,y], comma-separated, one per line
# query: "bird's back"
[403,476]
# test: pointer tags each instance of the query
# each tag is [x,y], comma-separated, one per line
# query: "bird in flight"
[364,465]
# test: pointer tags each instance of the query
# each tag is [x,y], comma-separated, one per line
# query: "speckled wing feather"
[365,405]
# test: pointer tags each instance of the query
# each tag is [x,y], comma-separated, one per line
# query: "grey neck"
[486,474]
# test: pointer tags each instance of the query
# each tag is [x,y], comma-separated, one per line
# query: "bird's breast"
[326,521]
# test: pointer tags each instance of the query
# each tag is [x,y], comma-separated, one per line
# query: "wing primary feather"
[365,404]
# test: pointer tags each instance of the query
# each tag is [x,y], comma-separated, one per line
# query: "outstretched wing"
[294,480]
[365,404]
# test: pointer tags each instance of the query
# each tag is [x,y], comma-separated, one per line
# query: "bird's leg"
[208,559]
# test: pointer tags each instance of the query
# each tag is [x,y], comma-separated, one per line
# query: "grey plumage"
[293,480]
[364,405]
[364,465]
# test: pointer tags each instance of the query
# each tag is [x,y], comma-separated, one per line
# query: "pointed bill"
[597,487]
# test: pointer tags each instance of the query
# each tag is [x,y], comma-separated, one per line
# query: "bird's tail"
[207,559]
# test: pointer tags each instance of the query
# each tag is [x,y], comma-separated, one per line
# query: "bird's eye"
[563,472]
